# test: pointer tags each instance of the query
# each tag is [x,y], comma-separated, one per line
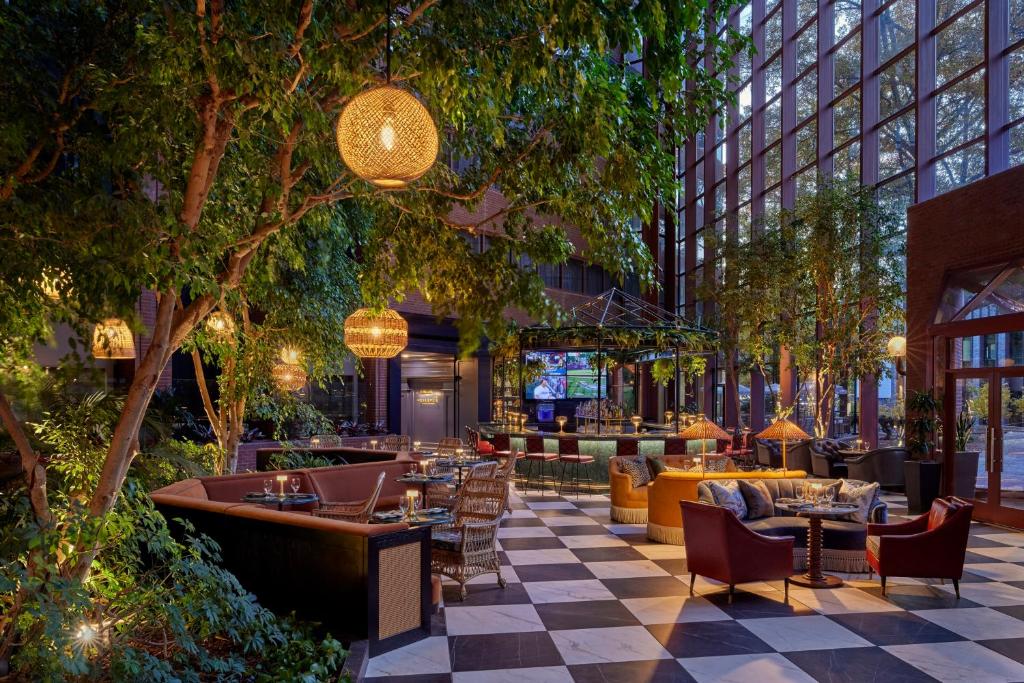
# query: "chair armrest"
[936,552]
[879,513]
[914,526]
[857,459]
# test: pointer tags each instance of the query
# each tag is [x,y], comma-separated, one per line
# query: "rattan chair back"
[481,500]
[397,442]
[447,445]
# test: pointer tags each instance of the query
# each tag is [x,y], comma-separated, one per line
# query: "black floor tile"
[571,512]
[674,567]
[1015,611]
[708,639]
[582,530]
[975,558]
[857,665]
[515,522]
[589,503]
[918,597]
[419,678]
[553,572]
[1008,647]
[620,553]
[654,671]
[503,651]
[635,539]
[560,616]
[646,587]
[894,628]
[488,593]
[537,543]
[747,605]
[978,542]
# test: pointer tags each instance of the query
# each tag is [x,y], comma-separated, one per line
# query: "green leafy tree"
[175,146]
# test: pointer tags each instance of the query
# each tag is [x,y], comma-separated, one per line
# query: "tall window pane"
[846,118]
[960,46]
[847,18]
[745,140]
[846,66]
[805,9]
[1017,145]
[1016,20]
[959,168]
[806,144]
[1017,84]
[807,47]
[773,122]
[896,87]
[773,33]
[773,78]
[944,9]
[896,146]
[807,95]
[772,165]
[960,112]
[846,162]
[895,28]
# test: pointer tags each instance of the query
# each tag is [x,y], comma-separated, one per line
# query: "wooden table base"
[815,578]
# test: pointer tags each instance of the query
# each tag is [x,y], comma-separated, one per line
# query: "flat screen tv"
[547,388]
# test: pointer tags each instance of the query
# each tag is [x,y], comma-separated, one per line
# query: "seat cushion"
[835,535]
[584,459]
[636,468]
[759,501]
[484,448]
[446,540]
[542,456]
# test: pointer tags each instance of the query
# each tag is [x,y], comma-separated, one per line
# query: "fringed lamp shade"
[112,340]
[386,136]
[704,429]
[221,326]
[376,335]
[288,377]
[782,430]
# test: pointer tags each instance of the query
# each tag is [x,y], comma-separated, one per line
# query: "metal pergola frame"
[593,324]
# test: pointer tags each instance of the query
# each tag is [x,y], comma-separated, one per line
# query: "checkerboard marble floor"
[592,600]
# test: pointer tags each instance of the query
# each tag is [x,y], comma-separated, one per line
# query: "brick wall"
[976,225]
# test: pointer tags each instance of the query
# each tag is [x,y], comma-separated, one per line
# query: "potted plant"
[965,462]
[922,472]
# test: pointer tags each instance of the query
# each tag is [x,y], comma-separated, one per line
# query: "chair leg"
[732,590]
[956,587]
[561,478]
[883,585]
[785,582]
[693,577]
[576,478]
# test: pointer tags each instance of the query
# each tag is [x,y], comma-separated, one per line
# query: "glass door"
[984,439]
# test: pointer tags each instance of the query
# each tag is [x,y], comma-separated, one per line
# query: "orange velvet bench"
[628,504]
[664,516]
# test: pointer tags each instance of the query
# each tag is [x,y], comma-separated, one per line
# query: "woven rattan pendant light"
[112,340]
[376,335]
[385,135]
[288,377]
[221,326]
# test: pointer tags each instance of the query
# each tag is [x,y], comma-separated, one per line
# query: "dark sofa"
[360,581]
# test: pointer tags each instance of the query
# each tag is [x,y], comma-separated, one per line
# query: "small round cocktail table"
[425,480]
[287,500]
[461,465]
[815,513]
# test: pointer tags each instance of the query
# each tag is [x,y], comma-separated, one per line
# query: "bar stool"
[569,454]
[535,453]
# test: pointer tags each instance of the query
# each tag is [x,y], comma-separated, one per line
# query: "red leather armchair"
[720,547]
[930,546]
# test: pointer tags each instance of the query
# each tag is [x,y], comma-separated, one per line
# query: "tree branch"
[35,473]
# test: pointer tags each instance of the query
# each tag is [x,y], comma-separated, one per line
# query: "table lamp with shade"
[781,430]
[703,429]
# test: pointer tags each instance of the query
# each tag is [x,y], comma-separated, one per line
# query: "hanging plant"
[663,370]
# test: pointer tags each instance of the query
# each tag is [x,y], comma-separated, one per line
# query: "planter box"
[965,473]
[923,479]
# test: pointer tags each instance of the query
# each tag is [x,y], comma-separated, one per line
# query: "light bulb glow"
[387,135]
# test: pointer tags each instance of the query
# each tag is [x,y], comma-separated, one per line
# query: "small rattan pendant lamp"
[782,430]
[376,335]
[112,340]
[385,135]
[288,374]
[704,429]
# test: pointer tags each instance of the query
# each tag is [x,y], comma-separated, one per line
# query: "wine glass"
[294,482]
[800,490]
[403,506]
[268,486]
[830,496]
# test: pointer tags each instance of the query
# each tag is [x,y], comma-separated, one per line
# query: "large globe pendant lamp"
[376,335]
[112,340]
[289,375]
[221,327]
[385,135]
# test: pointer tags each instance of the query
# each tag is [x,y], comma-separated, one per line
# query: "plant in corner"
[965,462]
[922,473]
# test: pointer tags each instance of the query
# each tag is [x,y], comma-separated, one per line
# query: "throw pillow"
[727,494]
[655,466]
[704,494]
[637,470]
[716,463]
[862,496]
[758,499]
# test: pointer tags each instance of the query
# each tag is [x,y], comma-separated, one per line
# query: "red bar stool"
[569,455]
[535,453]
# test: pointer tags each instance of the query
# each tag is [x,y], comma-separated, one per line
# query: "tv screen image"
[583,384]
[547,388]
[554,361]
[579,361]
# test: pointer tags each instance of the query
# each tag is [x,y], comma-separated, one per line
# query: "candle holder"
[373,444]
[636,420]
[668,417]
[416,446]
[561,423]
[412,497]
[425,466]
[281,479]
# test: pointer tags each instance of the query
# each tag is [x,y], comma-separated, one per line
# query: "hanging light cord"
[387,44]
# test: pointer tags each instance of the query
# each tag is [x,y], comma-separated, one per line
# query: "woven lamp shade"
[221,326]
[376,335]
[783,430]
[704,428]
[112,340]
[386,136]
[288,377]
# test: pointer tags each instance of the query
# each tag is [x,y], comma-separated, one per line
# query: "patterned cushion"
[727,494]
[716,463]
[636,468]
[446,540]
[758,499]
[863,496]
[655,466]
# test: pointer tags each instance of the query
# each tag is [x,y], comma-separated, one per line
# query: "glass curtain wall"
[917,98]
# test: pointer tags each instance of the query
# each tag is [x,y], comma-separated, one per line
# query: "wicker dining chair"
[506,472]
[396,442]
[465,549]
[358,512]
[447,445]
[325,441]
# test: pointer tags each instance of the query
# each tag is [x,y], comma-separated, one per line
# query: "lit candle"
[412,495]
[425,466]
[373,444]
[416,445]
[281,479]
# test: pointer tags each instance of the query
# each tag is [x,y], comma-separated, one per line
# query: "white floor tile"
[625,569]
[661,551]
[525,532]
[1016,539]
[542,592]
[791,634]
[537,674]
[523,514]
[841,600]
[427,656]
[596,512]
[546,556]
[592,541]
[997,571]
[959,662]
[508,573]
[674,610]
[975,623]
[551,505]
[762,668]
[618,644]
[988,593]
[1006,554]
[706,586]
[568,520]
[466,621]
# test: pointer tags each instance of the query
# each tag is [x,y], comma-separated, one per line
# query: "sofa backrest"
[231,488]
[350,483]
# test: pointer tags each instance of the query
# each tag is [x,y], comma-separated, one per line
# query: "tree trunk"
[35,473]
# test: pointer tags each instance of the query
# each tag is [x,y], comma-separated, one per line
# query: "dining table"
[815,512]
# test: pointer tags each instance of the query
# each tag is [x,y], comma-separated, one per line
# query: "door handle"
[997,449]
[988,448]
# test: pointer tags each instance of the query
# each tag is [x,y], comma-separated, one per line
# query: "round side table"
[815,513]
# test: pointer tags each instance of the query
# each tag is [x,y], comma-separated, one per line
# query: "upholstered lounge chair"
[884,465]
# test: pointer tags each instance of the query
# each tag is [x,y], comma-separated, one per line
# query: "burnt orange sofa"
[628,504]
[361,581]
[665,518]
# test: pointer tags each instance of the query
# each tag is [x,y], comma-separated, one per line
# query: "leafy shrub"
[298,460]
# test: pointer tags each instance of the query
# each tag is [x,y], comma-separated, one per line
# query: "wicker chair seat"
[447,540]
